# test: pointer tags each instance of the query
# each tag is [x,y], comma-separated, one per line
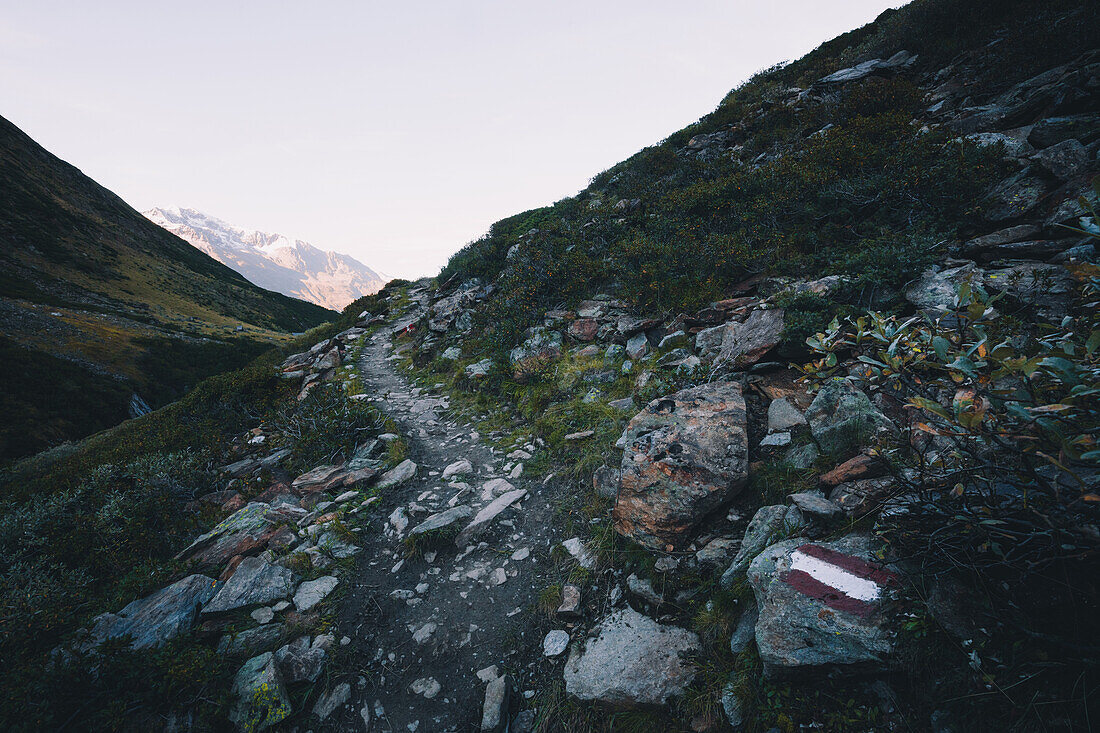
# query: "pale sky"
[395,132]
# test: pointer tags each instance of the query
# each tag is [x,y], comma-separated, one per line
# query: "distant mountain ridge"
[273,261]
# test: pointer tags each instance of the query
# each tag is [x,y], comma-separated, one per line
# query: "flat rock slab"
[821,604]
[155,619]
[312,592]
[632,662]
[255,582]
[399,474]
[441,520]
[245,532]
[484,517]
[684,456]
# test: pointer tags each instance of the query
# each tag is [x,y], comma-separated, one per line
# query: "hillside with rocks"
[785,423]
[106,315]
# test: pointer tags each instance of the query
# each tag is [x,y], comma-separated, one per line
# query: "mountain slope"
[86,279]
[273,261]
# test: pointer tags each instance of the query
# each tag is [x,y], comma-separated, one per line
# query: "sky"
[395,132]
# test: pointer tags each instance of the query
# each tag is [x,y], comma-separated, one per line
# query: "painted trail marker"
[842,582]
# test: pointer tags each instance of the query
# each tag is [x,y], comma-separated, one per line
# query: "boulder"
[843,419]
[300,662]
[937,286]
[1054,130]
[637,346]
[255,582]
[1064,160]
[261,699]
[459,467]
[1013,197]
[718,553]
[858,497]
[631,662]
[767,526]
[821,604]
[782,415]
[1048,289]
[245,532]
[900,60]
[479,370]
[250,642]
[441,520]
[494,710]
[155,619]
[685,455]
[312,592]
[541,347]
[744,344]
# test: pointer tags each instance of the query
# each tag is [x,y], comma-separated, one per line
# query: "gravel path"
[421,629]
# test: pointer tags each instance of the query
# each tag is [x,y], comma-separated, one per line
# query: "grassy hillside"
[98,297]
[755,186]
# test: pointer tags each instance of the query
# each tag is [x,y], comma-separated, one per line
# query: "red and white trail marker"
[842,582]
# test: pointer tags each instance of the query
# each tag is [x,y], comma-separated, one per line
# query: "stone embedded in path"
[441,520]
[484,517]
[494,711]
[821,604]
[261,698]
[312,592]
[555,642]
[155,619]
[255,582]
[300,662]
[332,701]
[399,474]
[575,547]
[631,662]
[426,686]
[685,455]
[460,466]
[570,601]
[495,487]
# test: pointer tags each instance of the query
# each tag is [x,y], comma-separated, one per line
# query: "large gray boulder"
[821,604]
[631,662]
[155,619]
[937,286]
[684,456]
[744,344]
[255,582]
[843,419]
[261,699]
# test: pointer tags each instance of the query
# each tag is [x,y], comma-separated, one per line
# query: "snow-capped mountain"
[273,261]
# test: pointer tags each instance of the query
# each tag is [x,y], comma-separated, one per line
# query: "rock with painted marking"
[684,456]
[821,604]
[632,662]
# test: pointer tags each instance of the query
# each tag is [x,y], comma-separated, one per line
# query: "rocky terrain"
[828,463]
[273,261]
